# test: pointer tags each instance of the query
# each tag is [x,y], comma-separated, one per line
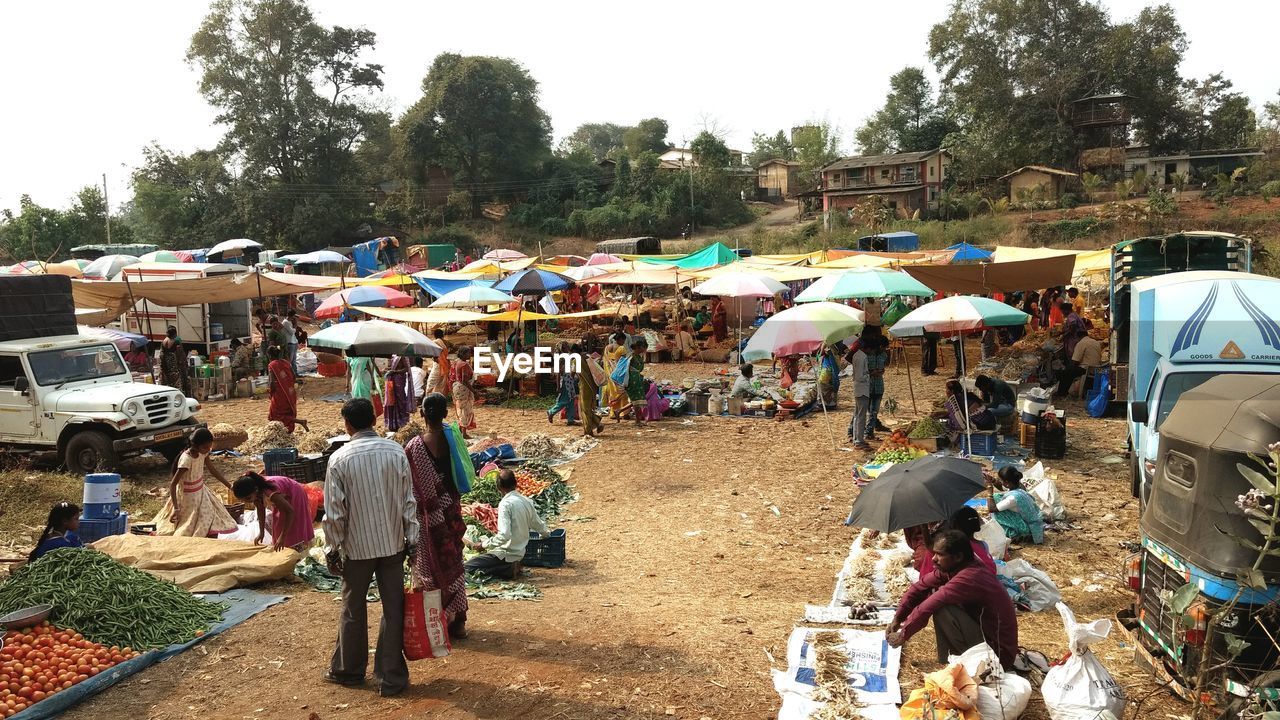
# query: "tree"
[603,140]
[649,135]
[910,120]
[185,200]
[622,177]
[1269,132]
[1143,56]
[770,147]
[1091,183]
[478,116]
[710,152]
[816,145]
[1215,116]
[35,232]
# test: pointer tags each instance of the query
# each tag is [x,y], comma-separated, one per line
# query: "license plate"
[169,435]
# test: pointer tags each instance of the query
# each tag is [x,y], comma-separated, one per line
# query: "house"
[682,158]
[1052,181]
[777,179]
[1194,166]
[908,181]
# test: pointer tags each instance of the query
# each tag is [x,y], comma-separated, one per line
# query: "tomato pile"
[41,661]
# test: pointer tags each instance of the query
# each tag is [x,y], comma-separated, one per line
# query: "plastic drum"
[101,496]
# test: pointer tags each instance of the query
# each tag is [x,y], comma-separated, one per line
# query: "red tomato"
[38,695]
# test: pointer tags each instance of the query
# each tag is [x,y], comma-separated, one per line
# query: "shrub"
[1068,201]
[455,235]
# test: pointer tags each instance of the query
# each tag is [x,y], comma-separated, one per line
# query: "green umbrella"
[864,283]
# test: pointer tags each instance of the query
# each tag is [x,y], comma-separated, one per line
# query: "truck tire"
[89,451]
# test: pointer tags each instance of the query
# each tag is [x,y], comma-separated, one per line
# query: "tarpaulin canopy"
[781,273]
[514,315]
[710,256]
[431,316]
[995,277]
[643,277]
[1010,253]
[964,252]
[436,287]
[801,259]
[856,259]
[115,296]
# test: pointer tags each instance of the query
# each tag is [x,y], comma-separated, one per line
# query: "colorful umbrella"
[803,329]
[958,313]
[232,248]
[567,260]
[374,337]
[501,254]
[584,272]
[319,257]
[863,283]
[603,259]
[167,256]
[108,266]
[471,296]
[368,295]
[740,284]
[533,282]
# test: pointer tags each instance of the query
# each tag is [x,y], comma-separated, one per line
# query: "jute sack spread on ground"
[200,564]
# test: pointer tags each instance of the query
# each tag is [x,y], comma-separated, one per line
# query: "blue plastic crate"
[545,552]
[272,459]
[92,529]
[979,443]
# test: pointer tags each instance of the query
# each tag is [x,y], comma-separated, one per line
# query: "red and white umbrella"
[366,295]
[502,254]
[603,259]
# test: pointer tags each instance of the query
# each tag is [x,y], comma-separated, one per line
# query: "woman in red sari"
[719,320]
[284,391]
[437,563]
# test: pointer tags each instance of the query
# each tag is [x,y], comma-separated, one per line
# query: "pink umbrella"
[603,259]
[367,295]
[501,255]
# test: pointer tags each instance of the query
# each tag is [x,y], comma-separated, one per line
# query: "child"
[59,531]
[637,388]
[193,509]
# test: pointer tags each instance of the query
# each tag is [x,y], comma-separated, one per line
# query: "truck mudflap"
[150,440]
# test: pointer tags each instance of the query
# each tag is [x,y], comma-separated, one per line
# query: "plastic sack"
[1099,397]
[1036,590]
[995,538]
[949,689]
[1081,688]
[1001,696]
[425,633]
[308,361]
[1044,491]
[464,469]
[247,531]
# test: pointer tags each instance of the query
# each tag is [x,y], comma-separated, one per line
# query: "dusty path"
[679,585]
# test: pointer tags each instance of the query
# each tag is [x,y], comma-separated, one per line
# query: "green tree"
[1216,116]
[35,232]
[1143,56]
[710,152]
[910,120]
[86,219]
[622,177]
[648,135]
[817,145]
[185,200]
[478,116]
[770,147]
[603,140]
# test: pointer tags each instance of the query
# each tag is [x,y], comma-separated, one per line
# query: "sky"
[89,84]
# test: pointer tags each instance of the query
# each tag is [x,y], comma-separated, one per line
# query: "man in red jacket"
[968,604]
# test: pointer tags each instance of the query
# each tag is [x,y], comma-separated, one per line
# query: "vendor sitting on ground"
[743,387]
[516,517]
[980,418]
[1015,509]
[59,531]
[686,346]
[996,395]
[968,604]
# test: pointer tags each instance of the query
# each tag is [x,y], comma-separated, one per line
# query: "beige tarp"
[200,564]
[1087,262]
[431,316]
[995,277]
[643,277]
[512,315]
[781,273]
[113,296]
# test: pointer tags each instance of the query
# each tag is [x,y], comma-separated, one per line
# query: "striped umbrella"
[366,295]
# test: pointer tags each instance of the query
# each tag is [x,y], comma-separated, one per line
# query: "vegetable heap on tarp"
[107,602]
[42,661]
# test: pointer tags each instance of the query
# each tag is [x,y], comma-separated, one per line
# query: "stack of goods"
[538,446]
[316,439]
[45,660]
[535,480]
[926,429]
[898,448]
[877,573]
[271,436]
[108,602]
[227,436]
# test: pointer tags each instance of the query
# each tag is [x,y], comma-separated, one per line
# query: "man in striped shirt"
[370,523]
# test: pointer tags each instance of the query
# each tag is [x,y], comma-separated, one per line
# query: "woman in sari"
[612,394]
[173,362]
[398,398]
[284,391]
[441,372]
[364,379]
[437,564]
[1015,509]
[464,394]
[719,320]
[589,394]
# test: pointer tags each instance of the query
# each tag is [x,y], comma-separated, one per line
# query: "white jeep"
[75,395]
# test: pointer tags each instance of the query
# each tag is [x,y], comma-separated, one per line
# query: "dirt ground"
[681,589]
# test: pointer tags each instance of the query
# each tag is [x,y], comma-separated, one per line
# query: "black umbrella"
[533,282]
[922,491]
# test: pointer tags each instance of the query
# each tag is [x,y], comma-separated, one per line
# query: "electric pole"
[106,204]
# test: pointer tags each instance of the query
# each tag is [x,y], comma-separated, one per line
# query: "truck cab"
[74,395]
[1183,329]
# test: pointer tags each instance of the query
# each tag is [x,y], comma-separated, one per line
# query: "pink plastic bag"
[426,634]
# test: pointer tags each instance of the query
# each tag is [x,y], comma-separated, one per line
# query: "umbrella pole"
[906,360]
[826,419]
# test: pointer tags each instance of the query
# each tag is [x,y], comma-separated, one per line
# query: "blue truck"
[1184,308]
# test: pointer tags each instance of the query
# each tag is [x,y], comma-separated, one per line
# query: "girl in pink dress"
[291,520]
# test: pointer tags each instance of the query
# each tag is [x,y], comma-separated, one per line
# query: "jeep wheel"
[89,451]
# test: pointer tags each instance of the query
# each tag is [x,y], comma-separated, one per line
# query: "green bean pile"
[107,602]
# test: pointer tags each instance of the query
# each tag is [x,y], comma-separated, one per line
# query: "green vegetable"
[107,602]
[895,456]
[543,403]
[927,428]
[485,490]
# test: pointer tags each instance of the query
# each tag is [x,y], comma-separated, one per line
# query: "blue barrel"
[101,496]
[273,459]
[215,331]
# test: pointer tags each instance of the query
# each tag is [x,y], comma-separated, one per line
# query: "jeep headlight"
[177,401]
[132,408]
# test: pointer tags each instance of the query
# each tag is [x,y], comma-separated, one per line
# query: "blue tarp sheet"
[967,253]
[365,256]
[244,605]
[436,288]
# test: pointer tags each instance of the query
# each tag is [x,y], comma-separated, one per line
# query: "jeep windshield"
[83,362]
